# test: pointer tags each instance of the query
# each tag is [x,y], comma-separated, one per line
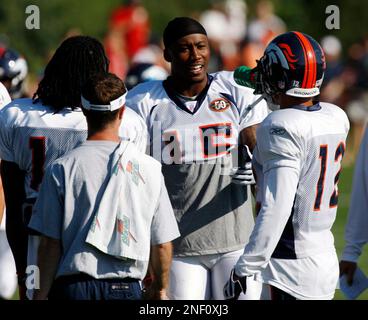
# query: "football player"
[356,230]
[299,150]
[13,71]
[8,280]
[196,121]
[34,132]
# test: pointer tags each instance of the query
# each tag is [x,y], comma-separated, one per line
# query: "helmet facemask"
[270,78]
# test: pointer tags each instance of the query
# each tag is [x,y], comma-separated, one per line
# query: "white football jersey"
[300,152]
[195,131]
[32,135]
[194,140]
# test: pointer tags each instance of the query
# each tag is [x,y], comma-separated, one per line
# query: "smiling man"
[196,122]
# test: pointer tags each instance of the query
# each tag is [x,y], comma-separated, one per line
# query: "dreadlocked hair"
[76,59]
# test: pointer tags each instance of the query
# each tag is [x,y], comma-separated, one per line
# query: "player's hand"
[348,268]
[235,286]
[243,175]
[152,291]
[152,294]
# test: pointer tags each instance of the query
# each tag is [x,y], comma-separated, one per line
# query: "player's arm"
[279,193]
[47,219]
[348,268]
[164,229]
[49,253]
[160,262]
[356,231]
[248,136]
[16,231]
[243,174]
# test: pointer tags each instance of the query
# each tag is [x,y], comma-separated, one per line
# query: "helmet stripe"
[310,70]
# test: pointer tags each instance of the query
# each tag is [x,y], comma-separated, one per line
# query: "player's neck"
[288,102]
[110,133]
[187,89]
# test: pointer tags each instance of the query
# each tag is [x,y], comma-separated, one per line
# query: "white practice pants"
[203,277]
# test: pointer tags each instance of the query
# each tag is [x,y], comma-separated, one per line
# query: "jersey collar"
[314,107]
[175,98]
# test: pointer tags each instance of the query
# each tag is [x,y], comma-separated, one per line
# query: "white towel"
[121,225]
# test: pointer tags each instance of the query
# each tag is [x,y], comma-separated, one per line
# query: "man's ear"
[167,55]
[121,112]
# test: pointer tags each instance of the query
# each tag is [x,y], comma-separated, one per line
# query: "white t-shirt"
[69,197]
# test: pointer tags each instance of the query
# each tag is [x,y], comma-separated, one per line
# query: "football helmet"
[294,64]
[142,72]
[13,68]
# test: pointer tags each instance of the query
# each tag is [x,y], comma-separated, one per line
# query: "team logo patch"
[219,105]
[277,131]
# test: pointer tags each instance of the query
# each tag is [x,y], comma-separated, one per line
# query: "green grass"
[345,185]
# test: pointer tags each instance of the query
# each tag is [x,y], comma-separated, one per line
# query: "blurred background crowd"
[238,31]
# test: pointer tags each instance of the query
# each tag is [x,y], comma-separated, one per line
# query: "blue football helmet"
[13,69]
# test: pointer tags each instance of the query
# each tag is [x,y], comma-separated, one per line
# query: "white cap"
[114,105]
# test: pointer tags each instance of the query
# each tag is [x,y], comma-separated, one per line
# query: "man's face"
[189,57]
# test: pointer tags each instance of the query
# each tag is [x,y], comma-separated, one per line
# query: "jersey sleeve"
[138,101]
[48,211]
[6,137]
[258,174]
[164,227]
[356,232]
[253,115]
